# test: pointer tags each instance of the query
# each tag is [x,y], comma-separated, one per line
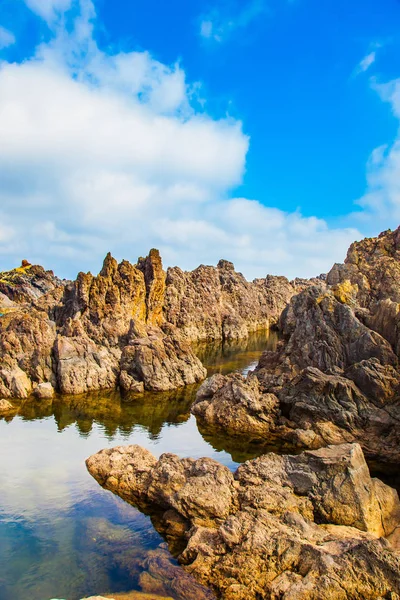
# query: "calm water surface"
[61,534]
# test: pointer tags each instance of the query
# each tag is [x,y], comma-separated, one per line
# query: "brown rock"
[212,303]
[292,527]
[6,407]
[161,362]
[44,391]
[236,405]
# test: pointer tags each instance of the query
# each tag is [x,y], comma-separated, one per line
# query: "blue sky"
[266,132]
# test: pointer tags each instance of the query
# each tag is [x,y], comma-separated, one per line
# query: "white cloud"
[218,25]
[106,152]
[381,202]
[6,38]
[366,62]
[49,10]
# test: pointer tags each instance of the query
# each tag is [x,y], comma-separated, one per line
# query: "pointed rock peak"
[225,265]
[154,277]
[151,266]
[110,266]
[154,254]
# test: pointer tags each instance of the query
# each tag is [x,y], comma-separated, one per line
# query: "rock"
[14,383]
[28,283]
[129,326]
[44,390]
[373,264]
[160,363]
[82,366]
[212,303]
[336,379]
[26,344]
[236,405]
[304,526]
[6,407]
[154,278]
[163,576]
[104,306]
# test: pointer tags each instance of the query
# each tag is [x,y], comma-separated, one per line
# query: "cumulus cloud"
[381,202]
[107,152]
[49,10]
[218,25]
[6,38]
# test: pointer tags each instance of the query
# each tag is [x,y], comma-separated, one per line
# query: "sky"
[265,132]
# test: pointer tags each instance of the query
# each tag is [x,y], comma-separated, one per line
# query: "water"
[61,534]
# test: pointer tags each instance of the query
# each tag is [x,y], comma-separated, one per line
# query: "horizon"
[266,132]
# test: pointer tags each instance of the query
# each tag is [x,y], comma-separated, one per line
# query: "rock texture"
[93,333]
[290,527]
[128,327]
[212,303]
[335,377]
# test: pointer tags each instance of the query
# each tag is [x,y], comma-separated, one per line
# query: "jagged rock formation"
[336,376]
[130,326]
[303,527]
[212,303]
[27,283]
[93,333]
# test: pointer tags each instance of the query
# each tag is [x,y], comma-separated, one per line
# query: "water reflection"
[61,535]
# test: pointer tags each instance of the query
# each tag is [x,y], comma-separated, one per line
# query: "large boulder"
[160,361]
[236,405]
[292,527]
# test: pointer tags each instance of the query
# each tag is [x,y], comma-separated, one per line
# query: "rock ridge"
[130,326]
[335,377]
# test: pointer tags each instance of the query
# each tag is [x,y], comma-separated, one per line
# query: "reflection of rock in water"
[235,355]
[121,413]
[116,414]
[242,448]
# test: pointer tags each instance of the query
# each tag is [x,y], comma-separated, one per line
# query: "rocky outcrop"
[94,333]
[335,377]
[27,283]
[233,403]
[374,266]
[212,303]
[129,327]
[307,527]
[159,363]
[334,380]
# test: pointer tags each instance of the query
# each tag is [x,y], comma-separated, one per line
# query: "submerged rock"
[291,527]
